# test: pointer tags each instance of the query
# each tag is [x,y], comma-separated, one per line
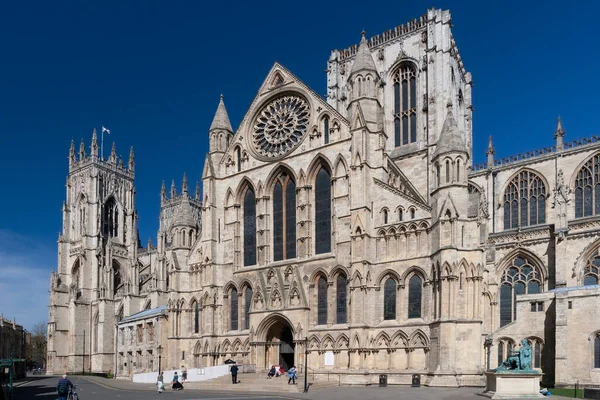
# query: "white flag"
[105,130]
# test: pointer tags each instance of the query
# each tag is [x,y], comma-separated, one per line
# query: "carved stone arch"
[301,178]
[399,339]
[243,186]
[205,299]
[419,339]
[246,346]
[277,80]
[319,160]
[342,341]
[412,227]
[506,339]
[320,271]
[500,198]
[403,59]
[341,166]
[226,346]
[463,267]
[339,269]
[357,279]
[182,304]
[382,338]
[423,225]
[268,322]
[314,343]
[228,287]
[271,276]
[244,283]
[274,174]
[229,198]
[414,270]
[197,348]
[523,253]
[236,346]
[327,343]
[591,250]
[446,269]
[388,273]
[206,347]
[391,231]
[381,233]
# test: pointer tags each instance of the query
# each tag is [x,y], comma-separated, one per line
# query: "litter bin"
[382,380]
[416,380]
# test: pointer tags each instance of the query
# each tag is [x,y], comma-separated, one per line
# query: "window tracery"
[323,212]
[587,188]
[415,292]
[326,129]
[322,301]
[405,105]
[233,303]
[521,277]
[341,288]
[525,201]
[591,272]
[389,299]
[249,228]
[110,219]
[284,218]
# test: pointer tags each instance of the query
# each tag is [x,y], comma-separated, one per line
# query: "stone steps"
[258,383]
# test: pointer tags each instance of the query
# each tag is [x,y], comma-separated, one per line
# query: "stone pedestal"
[513,385]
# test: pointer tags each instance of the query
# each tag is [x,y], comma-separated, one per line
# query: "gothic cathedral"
[355,227]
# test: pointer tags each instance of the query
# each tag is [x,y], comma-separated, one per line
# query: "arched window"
[521,277]
[415,289]
[389,299]
[233,303]
[384,214]
[597,351]
[536,356]
[500,353]
[238,156]
[405,105]
[326,129]
[110,219]
[117,278]
[525,201]
[247,305]
[196,317]
[447,171]
[587,188]
[458,170]
[323,212]
[400,215]
[438,174]
[322,301]
[284,218]
[341,287]
[249,228]
[412,213]
[591,272]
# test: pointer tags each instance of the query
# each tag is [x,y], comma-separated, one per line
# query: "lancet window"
[597,350]
[326,129]
[284,218]
[525,201]
[249,228]
[415,292]
[405,105]
[233,303]
[587,188]
[323,212]
[196,308]
[247,305]
[110,218]
[117,278]
[591,273]
[341,288]
[389,299]
[322,301]
[521,277]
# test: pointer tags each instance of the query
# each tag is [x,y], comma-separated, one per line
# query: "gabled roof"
[153,312]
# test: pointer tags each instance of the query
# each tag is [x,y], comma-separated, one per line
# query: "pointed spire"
[221,119]
[149,243]
[120,164]
[450,139]
[72,158]
[490,154]
[173,189]
[113,154]
[163,192]
[197,195]
[131,163]
[82,150]
[184,184]
[363,59]
[559,134]
[94,145]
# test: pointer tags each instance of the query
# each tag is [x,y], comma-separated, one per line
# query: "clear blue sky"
[152,72]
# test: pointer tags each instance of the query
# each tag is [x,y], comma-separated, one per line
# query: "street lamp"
[306,364]
[159,350]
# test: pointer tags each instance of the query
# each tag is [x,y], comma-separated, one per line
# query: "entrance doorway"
[286,349]
[280,347]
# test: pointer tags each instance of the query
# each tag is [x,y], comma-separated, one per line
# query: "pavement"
[96,388]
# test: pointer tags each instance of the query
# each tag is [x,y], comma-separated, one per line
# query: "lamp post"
[159,350]
[306,364]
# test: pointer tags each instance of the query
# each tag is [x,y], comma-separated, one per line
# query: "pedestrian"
[292,375]
[63,387]
[183,374]
[234,372]
[271,372]
[176,384]
[160,383]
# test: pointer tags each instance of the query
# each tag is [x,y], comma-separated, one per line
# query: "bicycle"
[73,394]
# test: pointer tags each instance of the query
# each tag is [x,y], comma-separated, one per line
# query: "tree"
[36,348]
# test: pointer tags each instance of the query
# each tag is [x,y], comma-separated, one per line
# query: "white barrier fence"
[194,374]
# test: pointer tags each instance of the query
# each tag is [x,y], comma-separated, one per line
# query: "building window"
[238,157]
[412,213]
[415,289]
[384,213]
[233,302]
[537,355]
[110,219]
[341,287]
[248,304]
[326,129]
[591,273]
[447,171]
[117,278]
[323,212]
[322,301]
[525,201]
[597,351]
[587,188]
[284,218]
[537,306]
[500,353]
[405,105]
[196,317]
[389,299]
[400,214]
[249,228]
[520,278]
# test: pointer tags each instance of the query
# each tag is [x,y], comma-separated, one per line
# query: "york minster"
[354,226]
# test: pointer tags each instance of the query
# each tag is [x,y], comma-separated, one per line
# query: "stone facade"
[355,225]
[13,343]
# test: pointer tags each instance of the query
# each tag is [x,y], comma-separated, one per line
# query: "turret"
[94,145]
[490,154]
[131,164]
[220,131]
[451,154]
[184,185]
[82,150]
[173,189]
[163,192]
[559,134]
[197,194]
[113,154]
[72,158]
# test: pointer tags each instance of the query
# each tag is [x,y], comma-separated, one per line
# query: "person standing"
[183,374]
[292,375]
[160,383]
[234,372]
[63,387]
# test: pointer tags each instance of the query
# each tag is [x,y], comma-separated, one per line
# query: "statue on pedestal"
[519,361]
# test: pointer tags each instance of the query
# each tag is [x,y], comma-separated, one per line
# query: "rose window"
[281,126]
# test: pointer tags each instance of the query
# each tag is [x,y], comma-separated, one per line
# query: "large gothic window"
[525,201]
[323,212]
[389,299]
[587,188]
[521,277]
[341,288]
[249,228]
[284,218]
[405,105]
[196,317]
[415,290]
[247,306]
[233,303]
[322,301]
[591,273]
[110,219]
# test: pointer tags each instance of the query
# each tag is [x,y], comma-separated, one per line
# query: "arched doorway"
[280,348]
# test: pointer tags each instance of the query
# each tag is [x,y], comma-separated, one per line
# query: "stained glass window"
[117,279]
[521,277]
[537,355]
[597,351]
[323,212]
[284,218]
[525,201]
[341,287]
[384,212]
[591,272]
[247,305]
[500,353]
[326,129]
[389,299]
[587,188]
[196,318]
[249,228]
[238,156]
[233,301]
[415,288]
[110,218]
[322,301]
[405,105]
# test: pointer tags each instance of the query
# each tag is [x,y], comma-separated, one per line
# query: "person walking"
[176,384]
[63,387]
[234,372]
[292,375]
[183,374]
[160,383]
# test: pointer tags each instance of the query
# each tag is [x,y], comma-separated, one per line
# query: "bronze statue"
[519,360]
